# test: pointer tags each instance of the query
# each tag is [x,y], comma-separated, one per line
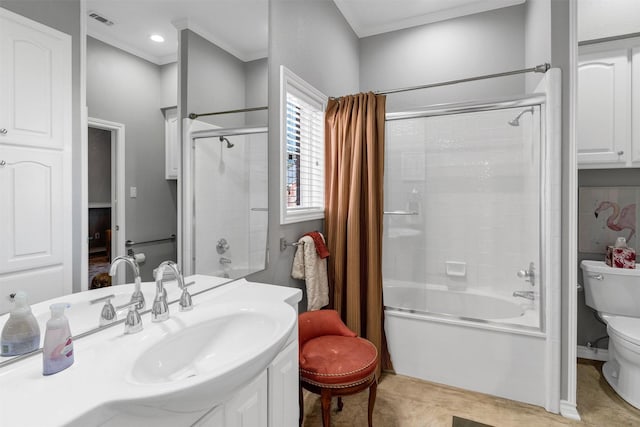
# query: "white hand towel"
[308,266]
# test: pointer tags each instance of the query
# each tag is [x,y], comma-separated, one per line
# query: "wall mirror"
[222,51]
[138,103]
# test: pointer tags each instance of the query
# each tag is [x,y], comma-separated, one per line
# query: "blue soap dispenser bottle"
[57,352]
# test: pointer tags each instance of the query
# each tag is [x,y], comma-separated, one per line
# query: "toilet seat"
[625,328]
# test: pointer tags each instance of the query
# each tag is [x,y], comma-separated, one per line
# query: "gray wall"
[125,89]
[256,90]
[537,38]
[484,43]
[65,16]
[169,84]
[99,165]
[590,329]
[313,40]
[214,81]
[560,42]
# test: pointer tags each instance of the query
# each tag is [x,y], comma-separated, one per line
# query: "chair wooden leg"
[340,404]
[372,400]
[300,403]
[325,398]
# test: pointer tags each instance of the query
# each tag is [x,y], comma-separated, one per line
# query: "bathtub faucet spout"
[524,294]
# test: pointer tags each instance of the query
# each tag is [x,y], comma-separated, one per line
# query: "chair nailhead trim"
[322,385]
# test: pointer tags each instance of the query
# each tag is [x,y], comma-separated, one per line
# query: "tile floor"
[407,402]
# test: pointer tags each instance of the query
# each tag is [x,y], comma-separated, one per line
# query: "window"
[302,147]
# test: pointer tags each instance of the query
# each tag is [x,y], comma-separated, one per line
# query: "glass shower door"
[463,214]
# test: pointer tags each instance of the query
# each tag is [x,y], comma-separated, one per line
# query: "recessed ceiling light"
[157,38]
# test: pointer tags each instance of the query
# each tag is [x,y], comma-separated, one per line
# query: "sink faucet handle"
[186,303]
[138,298]
[108,313]
[133,321]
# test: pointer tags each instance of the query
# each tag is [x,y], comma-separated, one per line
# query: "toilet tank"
[611,290]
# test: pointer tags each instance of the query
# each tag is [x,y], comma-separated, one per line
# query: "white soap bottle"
[57,351]
[21,333]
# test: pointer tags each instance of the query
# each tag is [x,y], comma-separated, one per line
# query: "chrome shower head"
[516,121]
[229,144]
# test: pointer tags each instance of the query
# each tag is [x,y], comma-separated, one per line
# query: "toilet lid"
[627,328]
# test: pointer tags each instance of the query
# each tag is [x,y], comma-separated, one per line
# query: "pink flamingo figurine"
[626,218]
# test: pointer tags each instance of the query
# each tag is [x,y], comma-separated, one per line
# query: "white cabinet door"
[635,107]
[603,109]
[35,83]
[284,408]
[35,159]
[171,143]
[248,408]
[31,209]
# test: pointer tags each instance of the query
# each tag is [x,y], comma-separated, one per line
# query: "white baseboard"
[569,410]
[593,353]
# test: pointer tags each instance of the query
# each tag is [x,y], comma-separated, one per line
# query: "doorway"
[105,209]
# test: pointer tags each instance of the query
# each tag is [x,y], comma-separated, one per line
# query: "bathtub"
[472,340]
[441,301]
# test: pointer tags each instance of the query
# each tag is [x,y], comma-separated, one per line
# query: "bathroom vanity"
[230,361]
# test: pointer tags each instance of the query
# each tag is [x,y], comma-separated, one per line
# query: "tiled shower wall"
[474,181]
[230,186]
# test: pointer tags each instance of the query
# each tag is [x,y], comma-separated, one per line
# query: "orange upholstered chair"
[334,361]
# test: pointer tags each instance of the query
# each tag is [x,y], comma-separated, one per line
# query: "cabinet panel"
[213,418]
[35,83]
[284,408]
[32,209]
[603,108]
[248,408]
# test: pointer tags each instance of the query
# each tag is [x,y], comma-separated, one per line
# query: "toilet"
[615,294]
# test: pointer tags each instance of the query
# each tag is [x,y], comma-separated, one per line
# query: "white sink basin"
[192,365]
[208,347]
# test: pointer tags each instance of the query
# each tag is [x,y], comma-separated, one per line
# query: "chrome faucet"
[525,294]
[137,296]
[224,260]
[160,309]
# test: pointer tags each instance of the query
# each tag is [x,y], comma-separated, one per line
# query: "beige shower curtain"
[354,147]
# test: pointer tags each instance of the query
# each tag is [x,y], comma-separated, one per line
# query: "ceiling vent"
[100,18]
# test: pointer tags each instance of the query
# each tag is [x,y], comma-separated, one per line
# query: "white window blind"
[303,150]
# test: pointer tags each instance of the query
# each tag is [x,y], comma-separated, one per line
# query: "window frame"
[290,82]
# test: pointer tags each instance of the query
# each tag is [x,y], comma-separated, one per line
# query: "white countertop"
[86,389]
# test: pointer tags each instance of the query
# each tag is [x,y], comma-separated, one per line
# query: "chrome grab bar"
[400,213]
[130,243]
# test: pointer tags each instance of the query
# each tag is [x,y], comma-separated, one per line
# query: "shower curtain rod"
[542,68]
[194,116]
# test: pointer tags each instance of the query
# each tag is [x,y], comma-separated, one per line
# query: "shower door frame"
[188,187]
[548,97]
